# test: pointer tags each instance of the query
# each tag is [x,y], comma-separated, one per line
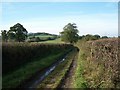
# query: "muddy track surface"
[32,82]
[68,79]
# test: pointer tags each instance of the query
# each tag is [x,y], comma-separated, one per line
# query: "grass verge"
[14,79]
[80,81]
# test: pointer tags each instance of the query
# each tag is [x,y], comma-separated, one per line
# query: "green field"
[44,36]
[40,37]
[53,41]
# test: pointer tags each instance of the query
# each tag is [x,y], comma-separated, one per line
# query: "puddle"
[46,73]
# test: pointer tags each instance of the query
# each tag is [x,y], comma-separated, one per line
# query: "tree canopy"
[19,31]
[70,33]
[89,37]
[4,35]
[16,33]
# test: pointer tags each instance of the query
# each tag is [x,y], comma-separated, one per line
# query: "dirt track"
[67,81]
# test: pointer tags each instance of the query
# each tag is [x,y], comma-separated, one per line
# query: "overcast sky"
[90,17]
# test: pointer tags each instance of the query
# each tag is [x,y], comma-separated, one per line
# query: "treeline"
[18,33]
[69,34]
[41,33]
[89,37]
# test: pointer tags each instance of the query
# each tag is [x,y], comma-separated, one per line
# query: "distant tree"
[31,37]
[4,36]
[88,37]
[19,31]
[104,37]
[11,36]
[54,37]
[0,38]
[37,39]
[49,38]
[70,33]
[97,36]
[80,37]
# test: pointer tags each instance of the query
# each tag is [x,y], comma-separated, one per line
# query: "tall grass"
[80,81]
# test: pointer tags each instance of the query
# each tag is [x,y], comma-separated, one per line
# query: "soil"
[68,80]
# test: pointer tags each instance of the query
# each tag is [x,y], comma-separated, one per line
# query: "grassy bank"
[80,81]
